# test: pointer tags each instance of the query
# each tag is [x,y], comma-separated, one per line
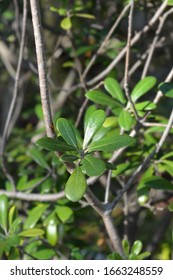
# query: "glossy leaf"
[34,215]
[142,87]
[64,213]
[3,211]
[111,142]
[145,106]
[38,157]
[11,215]
[125,120]
[113,87]
[52,232]
[66,23]
[67,131]
[94,123]
[76,185]
[101,98]
[167,89]
[137,247]
[32,232]
[93,166]
[88,113]
[54,144]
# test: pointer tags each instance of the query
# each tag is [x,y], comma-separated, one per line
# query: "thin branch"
[135,39]
[108,185]
[93,59]
[41,62]
[153,45]
[33,196]
[127,63]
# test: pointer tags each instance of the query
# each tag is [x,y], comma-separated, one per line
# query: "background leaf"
[33,232]
[66,23]
[167,89]
[142,87]
[3,211]
[34,215]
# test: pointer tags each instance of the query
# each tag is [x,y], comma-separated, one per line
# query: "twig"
[108,184]
[93,59]
[133,41]
[127,63]
[41,62]
[152,48]
[14,98]
[33,196]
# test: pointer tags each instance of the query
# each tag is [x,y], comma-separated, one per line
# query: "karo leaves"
[111,142]
[142,87]
[66,23]
[102,99]
[34,215]
[93,166]
[67,131]
[3,211]
[38,157]
[54,144]
[94,122]
[32,232]
[76,185]
[114,89]
[156,182]
[125,120]
[167,89]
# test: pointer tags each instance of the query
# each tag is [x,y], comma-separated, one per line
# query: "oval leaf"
[33,232]
[93,166]
[126,247]
[142,87]
[34,215]
[137,247]
[125,120]
[68,158]
[101,98]
[52,232]
[67,131]
[3,211]
[145,106]
[114,89]
[94,123]
[76,185]
[110,143]
[64,213]
[66,23]
[54,144]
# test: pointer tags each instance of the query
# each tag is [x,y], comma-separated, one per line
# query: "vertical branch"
[41,61]
[126,74]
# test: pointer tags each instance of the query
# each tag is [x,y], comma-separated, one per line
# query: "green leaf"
[170,207]
[67,131]
[68,158]
[170,2]
[133,257]
[64,213]
[54,144]
[114,256]
[144,255]
[38,157]
[102,99]
[52,232]
[125,120]
[88,113]
[61,11]
[167,89]
[3,211]
[126,247]
[121,168]
[66,23]
[76,185]
[142,87]
[11,215]
[156,182]
[111,142]
[145,106]
[94,123]
[30,184]
[93,166]
[44,254]
[34,215]
[110,166]
[113,88]
[33,232]
[137,247]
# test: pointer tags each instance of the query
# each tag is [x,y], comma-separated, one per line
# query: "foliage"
[112,149]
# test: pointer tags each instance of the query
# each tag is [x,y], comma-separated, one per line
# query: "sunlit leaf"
[113,87]
[142,87]
[125,120]
[64,212]
[34,215]
[33,232]
[52,232]
[66,23]
[136,247]
[85,15]
[3,211]
[95,121]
